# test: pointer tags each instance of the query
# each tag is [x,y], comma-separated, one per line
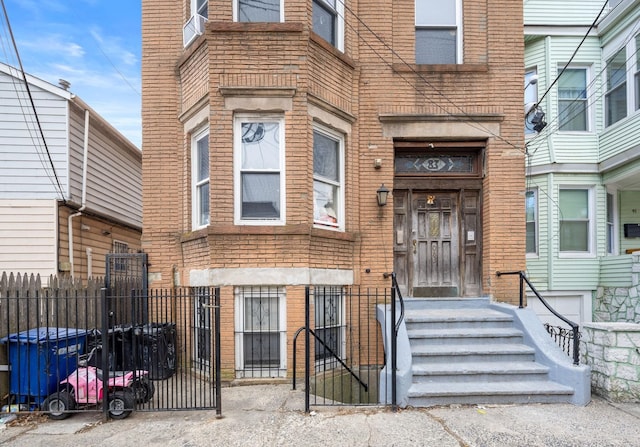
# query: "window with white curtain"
[328,178]
[259,172]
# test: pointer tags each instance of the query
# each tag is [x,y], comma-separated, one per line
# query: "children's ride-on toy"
[85,386]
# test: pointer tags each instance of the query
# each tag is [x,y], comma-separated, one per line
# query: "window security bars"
[260,332]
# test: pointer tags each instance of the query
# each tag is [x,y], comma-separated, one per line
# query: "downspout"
[84,188]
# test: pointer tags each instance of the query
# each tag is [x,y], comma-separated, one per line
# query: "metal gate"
[174,342]
[70,347]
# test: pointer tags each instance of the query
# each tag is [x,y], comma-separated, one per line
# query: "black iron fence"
[565,338]
[68,347]
[344,347]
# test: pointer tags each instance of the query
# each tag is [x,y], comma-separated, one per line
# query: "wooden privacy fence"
[26,303]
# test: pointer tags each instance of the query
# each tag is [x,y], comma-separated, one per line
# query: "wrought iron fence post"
[576,345]
[104,358]
[307,354]
[218,364]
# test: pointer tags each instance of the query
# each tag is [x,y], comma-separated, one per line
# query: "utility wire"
[33,106]
[592,97]
[593,24]
[473,121]
[116,68]
[596,93]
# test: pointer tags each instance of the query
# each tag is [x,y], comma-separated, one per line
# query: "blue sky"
[93,44]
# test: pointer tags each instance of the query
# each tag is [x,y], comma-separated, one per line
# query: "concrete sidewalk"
[273,415]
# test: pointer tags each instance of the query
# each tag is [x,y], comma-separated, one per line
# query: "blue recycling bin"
[40,358]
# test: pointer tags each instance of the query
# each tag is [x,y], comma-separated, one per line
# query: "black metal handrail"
[295,339]
[396,287]
[574,326]
[395,291]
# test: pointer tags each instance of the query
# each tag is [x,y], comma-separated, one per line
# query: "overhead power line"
[593,24]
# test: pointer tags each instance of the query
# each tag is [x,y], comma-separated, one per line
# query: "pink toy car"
[84,386]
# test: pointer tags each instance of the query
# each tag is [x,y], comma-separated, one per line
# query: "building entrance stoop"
[472,351]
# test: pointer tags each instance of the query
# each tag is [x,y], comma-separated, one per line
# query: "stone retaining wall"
[612,350]
[620,303]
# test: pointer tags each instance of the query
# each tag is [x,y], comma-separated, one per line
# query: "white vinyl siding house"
[86,170]
[109,167]
[25,172]
[28,236]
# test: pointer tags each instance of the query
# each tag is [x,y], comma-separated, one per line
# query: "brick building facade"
[269,127]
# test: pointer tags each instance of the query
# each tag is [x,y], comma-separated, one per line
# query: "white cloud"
[53,44]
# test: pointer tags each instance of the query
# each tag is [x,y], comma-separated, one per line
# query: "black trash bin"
[122,354]
[158,350]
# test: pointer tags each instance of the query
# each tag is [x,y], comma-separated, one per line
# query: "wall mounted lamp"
[382,193]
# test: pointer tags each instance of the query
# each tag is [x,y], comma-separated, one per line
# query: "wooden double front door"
[436,247]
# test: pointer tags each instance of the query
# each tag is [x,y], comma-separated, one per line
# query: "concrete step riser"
[458,324]
[488,399]
[478,377]
[462,359]
[451,341]
[453,304]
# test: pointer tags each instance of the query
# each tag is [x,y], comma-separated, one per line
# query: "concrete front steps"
[463,351]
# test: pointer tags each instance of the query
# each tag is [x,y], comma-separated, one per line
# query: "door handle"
[415,243]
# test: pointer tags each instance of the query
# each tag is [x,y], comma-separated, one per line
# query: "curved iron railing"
[344,365]
[396,287]
[575,329]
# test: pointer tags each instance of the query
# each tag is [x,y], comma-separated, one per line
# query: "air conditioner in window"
[193,28]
